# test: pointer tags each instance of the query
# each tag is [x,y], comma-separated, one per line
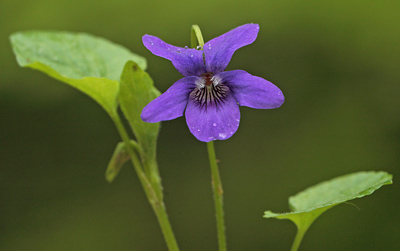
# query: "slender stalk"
[155,201]
[197,39]
[218,196]
[301,231]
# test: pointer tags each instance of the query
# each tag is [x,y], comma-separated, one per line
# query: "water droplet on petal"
[168,49]
[211,138]
[237,120]
[231,133]
[222,135]
[215,124]
[191,55]
[198,47]
[186,47]
[198,130]
[151,42]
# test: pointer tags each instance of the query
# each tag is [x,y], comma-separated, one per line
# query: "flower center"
[209,91]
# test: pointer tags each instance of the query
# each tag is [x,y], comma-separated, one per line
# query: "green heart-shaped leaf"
[91,64]
[307,205]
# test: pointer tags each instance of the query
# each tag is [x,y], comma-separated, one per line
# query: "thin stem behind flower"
[197,39]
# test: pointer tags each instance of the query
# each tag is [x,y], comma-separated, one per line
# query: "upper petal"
[189,62]
[214,123]
[218,51]
[170,104]
[252,91]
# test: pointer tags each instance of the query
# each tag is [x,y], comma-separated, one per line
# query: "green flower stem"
[155,201]
[218,196]
[197,39]
[301,231]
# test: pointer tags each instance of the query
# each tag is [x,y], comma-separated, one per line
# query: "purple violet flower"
[208,95]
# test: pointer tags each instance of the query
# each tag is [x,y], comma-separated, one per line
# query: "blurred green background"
[337,63]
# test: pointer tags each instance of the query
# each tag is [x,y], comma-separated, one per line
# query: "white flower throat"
[209,91]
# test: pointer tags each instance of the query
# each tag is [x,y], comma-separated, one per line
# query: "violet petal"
[252,91]
[171,103]
[214,123]
[189,62]
[218,51]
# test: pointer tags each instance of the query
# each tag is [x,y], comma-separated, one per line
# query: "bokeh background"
[337,63]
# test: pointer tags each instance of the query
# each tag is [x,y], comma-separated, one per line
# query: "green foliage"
[92,65]
[307,205]
[118,159]
[335,191]
[136,91]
